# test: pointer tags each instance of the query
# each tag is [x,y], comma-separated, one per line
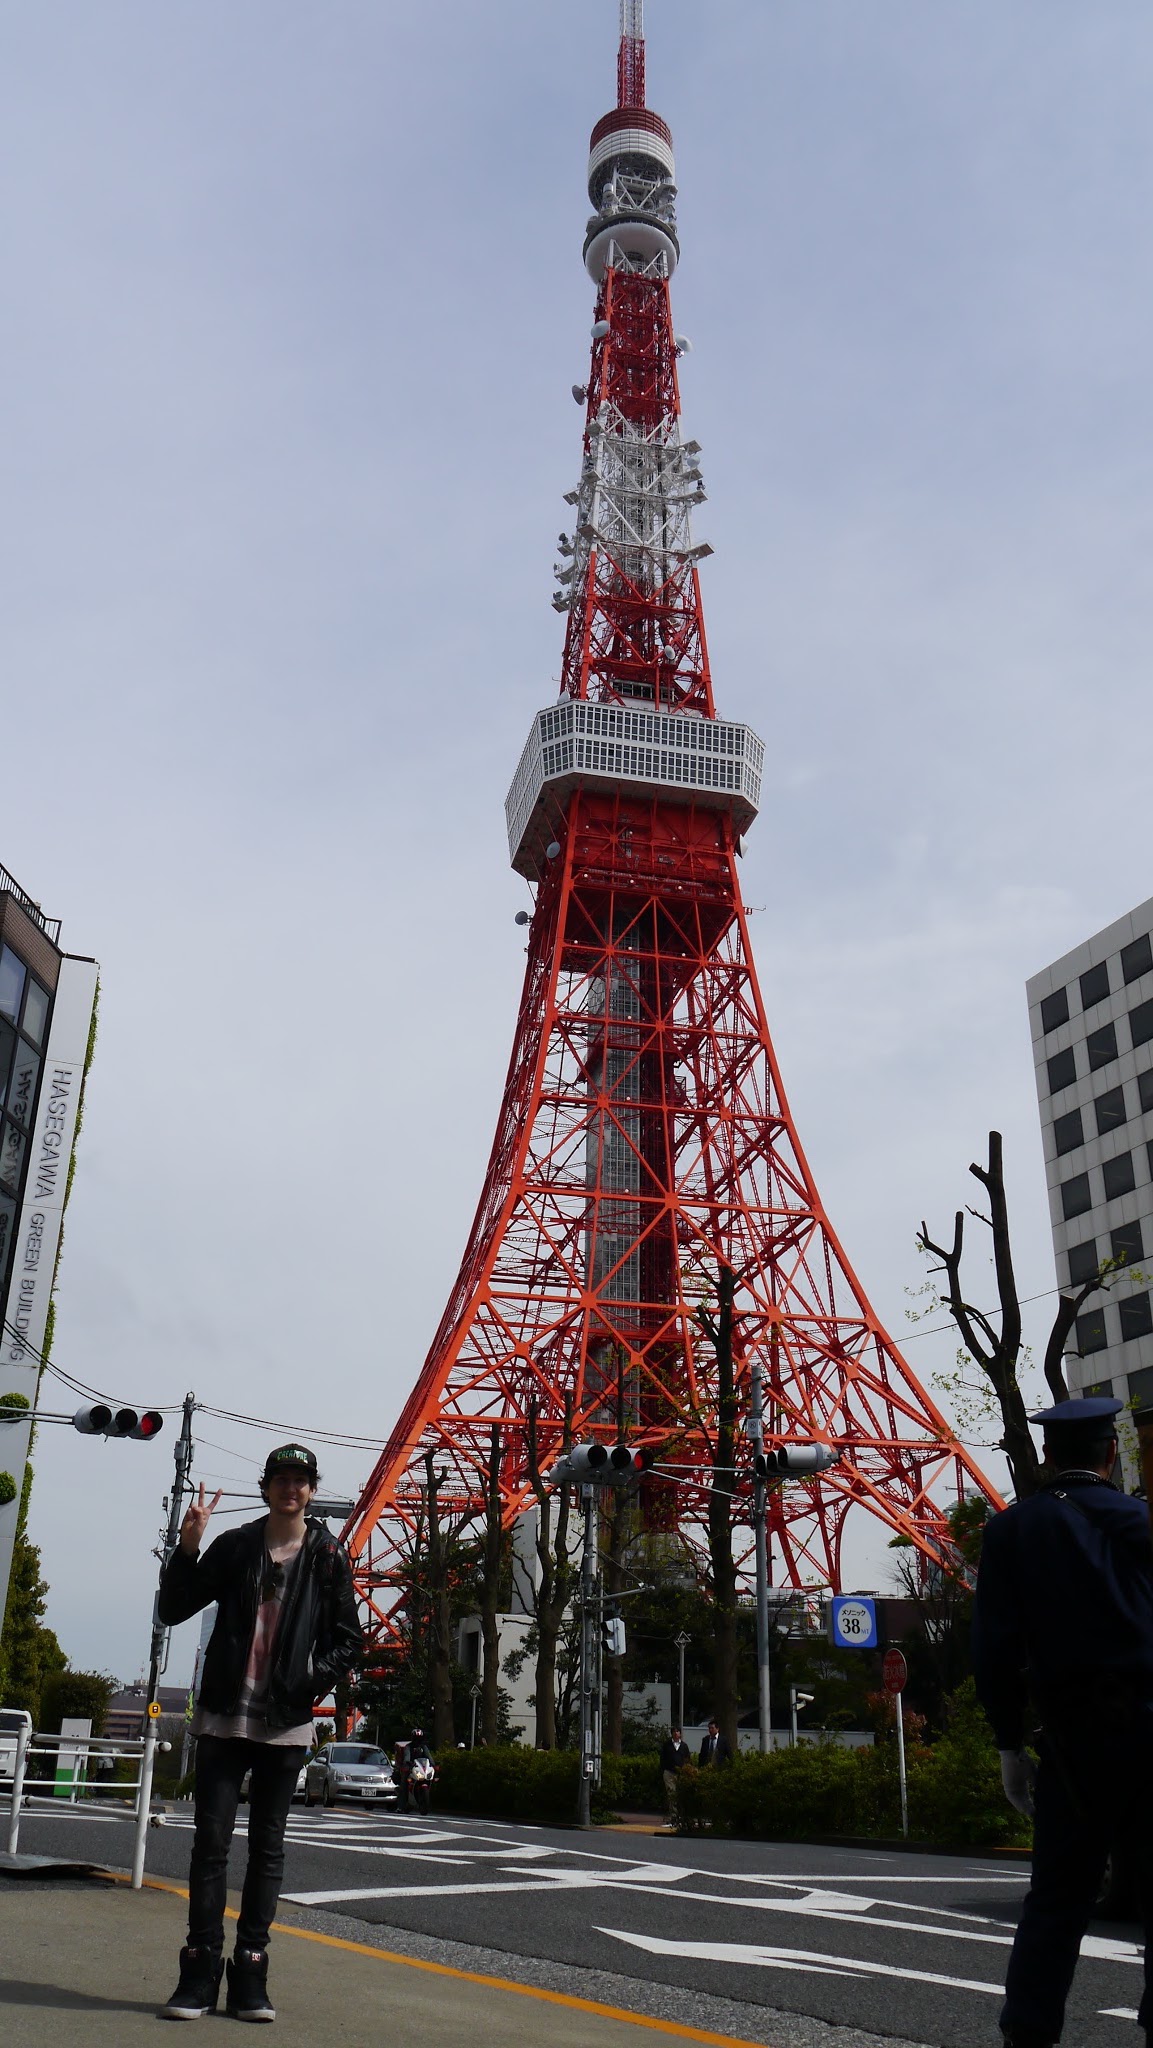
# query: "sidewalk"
[91,1962]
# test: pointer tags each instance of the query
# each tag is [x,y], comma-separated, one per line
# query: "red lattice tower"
[644,1139]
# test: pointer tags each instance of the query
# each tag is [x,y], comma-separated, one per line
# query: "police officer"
[1063,1636]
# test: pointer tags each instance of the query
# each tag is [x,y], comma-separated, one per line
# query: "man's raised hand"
[196,1522]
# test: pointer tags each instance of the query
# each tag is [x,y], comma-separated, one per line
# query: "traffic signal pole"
[761,1538]
[590,1674]
[182,1456]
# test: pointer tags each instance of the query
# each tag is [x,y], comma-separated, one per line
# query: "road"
[883,1943]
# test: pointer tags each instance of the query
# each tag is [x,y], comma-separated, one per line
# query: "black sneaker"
[248,1986]
[199,1986]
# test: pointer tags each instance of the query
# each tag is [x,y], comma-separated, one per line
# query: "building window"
[1101,1046]
[1127,1243]
[36,1006]
[1136,1317]
[1110,1110]
[1062,1069]
[1055,1009]
[1137,959]
[1094,985]
[1091,1331]
[12,974]
[1067,1132]
[1083,1262]
[1141,1387]
[1141,1023]
[1145,1088]
[1119,1176]
[1075,1196]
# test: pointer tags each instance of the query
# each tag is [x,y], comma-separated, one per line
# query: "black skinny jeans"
[220,1768]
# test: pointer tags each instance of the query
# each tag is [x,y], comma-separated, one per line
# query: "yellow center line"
[384,1955]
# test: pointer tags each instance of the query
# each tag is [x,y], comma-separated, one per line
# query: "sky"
[295,299]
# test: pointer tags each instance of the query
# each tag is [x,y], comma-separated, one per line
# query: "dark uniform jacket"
[723,1755]
[318,1639]
[675,1755]
[1063,1615]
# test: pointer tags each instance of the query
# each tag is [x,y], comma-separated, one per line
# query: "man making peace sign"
[286,1630]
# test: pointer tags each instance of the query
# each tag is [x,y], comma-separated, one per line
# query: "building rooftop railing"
[50,926]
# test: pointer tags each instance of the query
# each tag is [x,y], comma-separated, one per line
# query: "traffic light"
[597,1465]
[101,1420]
[613,1636]
[795,1461]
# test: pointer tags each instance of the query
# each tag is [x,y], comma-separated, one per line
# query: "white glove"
[1018,1775]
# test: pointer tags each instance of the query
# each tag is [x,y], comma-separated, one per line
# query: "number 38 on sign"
[853,1622]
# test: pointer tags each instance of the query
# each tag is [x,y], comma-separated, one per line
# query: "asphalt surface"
[885,1945]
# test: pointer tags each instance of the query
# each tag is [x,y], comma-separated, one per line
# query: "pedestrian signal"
[613,1636]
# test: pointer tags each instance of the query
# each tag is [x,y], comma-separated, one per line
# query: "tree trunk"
[997,1352]
[490,1594]
[440,1618]
[555,1585]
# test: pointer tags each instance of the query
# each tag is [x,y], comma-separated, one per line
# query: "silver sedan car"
[350,1770]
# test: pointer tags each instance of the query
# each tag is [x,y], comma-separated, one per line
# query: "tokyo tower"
[644,1143]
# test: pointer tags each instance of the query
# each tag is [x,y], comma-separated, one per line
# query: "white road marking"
[791,1959]
[1117,2012]
[576,1880]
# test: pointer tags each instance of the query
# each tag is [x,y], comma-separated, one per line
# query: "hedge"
[955,1795]
[512,1782]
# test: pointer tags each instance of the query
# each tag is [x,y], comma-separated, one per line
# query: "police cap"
[1096,1411]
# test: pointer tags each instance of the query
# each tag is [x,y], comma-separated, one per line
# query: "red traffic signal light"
[101,1420]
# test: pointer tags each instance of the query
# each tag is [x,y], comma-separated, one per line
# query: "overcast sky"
[295,299]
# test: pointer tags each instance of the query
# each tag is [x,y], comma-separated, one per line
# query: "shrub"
[632,1783]
[509,1782]
[955,1794]
[74,1695]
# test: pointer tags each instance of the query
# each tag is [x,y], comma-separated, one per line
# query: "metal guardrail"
[80,1748]
[9,886]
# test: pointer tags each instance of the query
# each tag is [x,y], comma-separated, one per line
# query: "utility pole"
[182,1456]
[761,1538]
[590,1672]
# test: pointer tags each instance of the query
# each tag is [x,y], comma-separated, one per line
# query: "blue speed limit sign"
[853,1622]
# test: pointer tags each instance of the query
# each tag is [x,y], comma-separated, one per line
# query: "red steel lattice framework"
[644,1138]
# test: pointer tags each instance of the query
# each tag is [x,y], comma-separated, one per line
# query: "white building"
[1092,1020]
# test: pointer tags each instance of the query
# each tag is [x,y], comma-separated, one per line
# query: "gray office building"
[1092,1019]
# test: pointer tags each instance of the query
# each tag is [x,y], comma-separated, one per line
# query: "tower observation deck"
[644,1145]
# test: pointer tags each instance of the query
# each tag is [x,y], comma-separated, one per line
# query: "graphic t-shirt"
[248,1723]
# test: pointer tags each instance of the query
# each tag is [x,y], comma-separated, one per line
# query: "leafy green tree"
[29,1652]
[75,1695]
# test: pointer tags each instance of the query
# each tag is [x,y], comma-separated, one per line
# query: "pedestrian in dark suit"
[716,1748]
[1063,1635]
[675,1754]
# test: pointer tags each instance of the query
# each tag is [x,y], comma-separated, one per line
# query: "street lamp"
[682,1642]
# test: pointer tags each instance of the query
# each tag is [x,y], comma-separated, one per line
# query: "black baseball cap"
[290,1458]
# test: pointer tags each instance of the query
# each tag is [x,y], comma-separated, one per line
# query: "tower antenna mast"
[631,60]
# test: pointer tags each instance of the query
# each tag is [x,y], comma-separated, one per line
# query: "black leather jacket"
[317,1642]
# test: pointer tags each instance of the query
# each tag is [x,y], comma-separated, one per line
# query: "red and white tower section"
[644,1144]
